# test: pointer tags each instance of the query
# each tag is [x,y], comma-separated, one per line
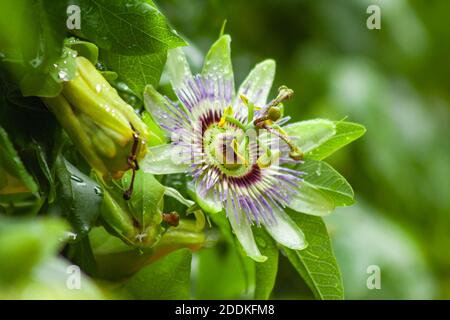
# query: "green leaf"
[346,132]
[80,197]
[220,274]
[82,255]
[127,27]
[265,272]
[147,199]
[14,178]
[311,133]
[24,243]
[322,176]
[319,138]
[31,37]
[84,49]
[137,71]
[168,278]
[316,264]
[245,264]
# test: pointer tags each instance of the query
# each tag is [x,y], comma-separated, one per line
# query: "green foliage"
[13,175]
[34,55]
[322,176]
[317,264]
[345,133]
[137,71]
[265,273]
[44,171]
[24,243]
[168,278]
[79,197]
[129,28]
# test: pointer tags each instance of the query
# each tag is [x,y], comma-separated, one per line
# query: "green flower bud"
[105,129]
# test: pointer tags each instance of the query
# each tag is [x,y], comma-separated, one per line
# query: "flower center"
[225,148]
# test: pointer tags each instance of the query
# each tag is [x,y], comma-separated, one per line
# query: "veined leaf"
[322,176]
[346,132]
[316,264]
[138,70]
[168,278]
[310,134]
[127,27]
[319,138]
[265,272]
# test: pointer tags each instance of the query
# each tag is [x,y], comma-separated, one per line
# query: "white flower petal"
[178,68]
[167,115]
[218,61]
[163,159]
[285,231]
[257,85]
[311,200]
[244,233]
[207,203]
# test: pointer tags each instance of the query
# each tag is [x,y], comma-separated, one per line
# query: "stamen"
[265,160]
[227,112]
[235,147]
[295,153]
[284,93]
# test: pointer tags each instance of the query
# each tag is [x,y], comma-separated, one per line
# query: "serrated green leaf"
[127,27]
[137,71]
[346,132]
[322,176]
[265,272]
[168,278]
[316,264]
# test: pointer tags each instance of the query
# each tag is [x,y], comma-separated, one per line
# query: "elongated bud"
[102,126]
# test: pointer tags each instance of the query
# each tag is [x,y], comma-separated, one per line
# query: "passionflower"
[232,145]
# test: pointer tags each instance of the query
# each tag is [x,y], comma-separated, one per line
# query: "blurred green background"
[395,81]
